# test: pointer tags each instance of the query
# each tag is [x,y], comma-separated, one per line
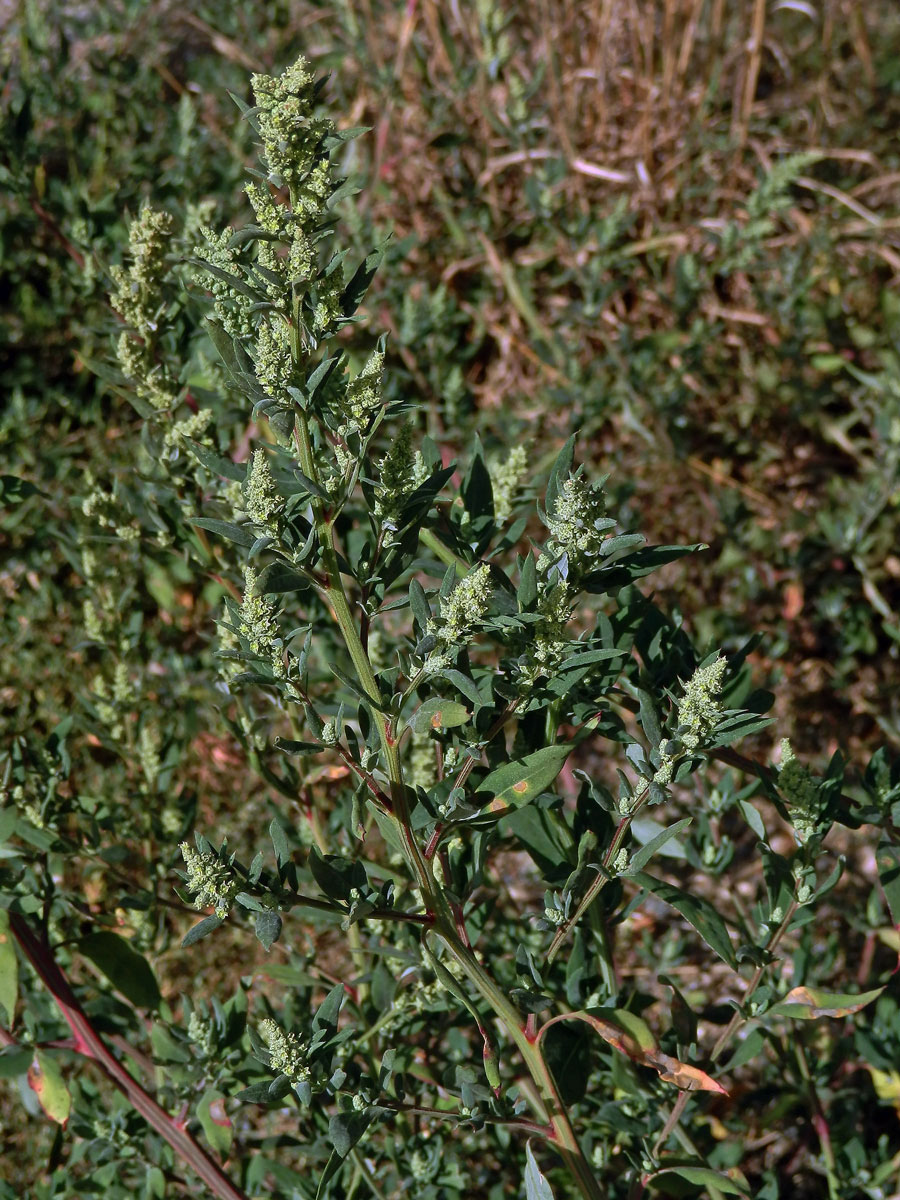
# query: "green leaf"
[560,473]
[438,714]
[9,968]
[326,1015]
[515,784]
[289,746]
[535,829]
[14,490]
[334,1164]
[697,912]
[346,1128]
[753,819]
[14,1061]
[233,533]
[8,819]
[256,1093]
[636,566]
[650,718]
[536,1185]
[467,686]
[234,282]
[154,1184]
[476,489]
[336,875]
[128,971]
[268,927]
[278,578]
[355,291]
[888,859]
[418,603]
[641,857]
[201,929]
[214,1121]
[807,1004]
[748,1049]
[216,463]
[280,843]
[527,591]
[736,726]
[46,1081]
[567,1052]
[702,1176]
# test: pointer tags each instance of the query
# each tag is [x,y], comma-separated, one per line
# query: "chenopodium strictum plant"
[412,669]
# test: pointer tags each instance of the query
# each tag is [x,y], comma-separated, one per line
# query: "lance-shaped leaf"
[201,929]
[697,911]
[627,1033]
[226,529]
[641,857]
[806,1003]
[128,971]
[701,1176]
[536,1185]
[517,783]
[9,968]
[216,463]
[888,860]
[46,1081]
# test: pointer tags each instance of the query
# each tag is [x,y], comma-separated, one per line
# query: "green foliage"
[482,909]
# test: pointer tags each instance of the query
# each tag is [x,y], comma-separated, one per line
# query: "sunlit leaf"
[806,1003]
[536,1185]
[46,1081]
[9,968]
[438,714]
[214,1120]
[516,783]
[701,1176]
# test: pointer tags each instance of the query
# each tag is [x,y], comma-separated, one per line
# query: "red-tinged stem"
[88,1043]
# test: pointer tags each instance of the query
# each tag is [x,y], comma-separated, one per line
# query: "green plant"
[437,684]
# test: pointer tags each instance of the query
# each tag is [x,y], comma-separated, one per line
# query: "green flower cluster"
[138,287]
[460,615]
[231,306]
[212,881]
[363,397]
[287,1050]
[291,136]
[578,525]
[193,426]
[548,641]
[699,712]
[506,479]
[258,623]
[264,502]
[802,794]
[138,298]
[399,474]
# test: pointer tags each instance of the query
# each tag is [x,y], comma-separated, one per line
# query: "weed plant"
[465,927]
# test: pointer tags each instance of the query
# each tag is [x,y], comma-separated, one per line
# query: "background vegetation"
[674,227]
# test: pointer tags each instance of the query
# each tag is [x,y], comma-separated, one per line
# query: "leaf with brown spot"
[807,1004]
[438,713]
[46,1081]
[515,784]
[630,1035]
